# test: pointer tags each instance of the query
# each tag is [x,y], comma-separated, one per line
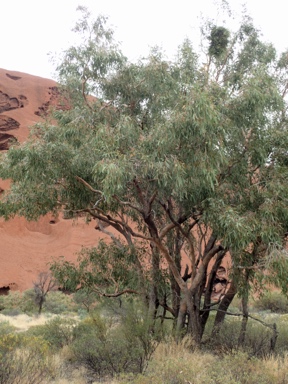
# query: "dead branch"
[117,294]
[271,326]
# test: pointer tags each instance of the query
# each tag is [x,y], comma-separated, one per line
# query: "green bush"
[2,299]
[6,327]
[282,328]
[16,303]
[23,359]
[11,301]
[11,312]
[57,332]
[174,364]
[85,300]
[257,338]
[28,304]
[274,301]
[238,367]
[58,302]
[113,345]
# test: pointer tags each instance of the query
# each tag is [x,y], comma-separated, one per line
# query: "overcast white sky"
[29,29]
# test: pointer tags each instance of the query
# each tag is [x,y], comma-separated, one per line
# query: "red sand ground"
[27,247]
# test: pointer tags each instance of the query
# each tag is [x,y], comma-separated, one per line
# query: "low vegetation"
[273,302]
[17,303]
[113,344]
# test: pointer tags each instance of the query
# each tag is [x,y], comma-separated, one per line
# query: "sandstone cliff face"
[26,248]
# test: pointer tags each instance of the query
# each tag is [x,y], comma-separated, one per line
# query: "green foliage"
[59,303]
[219,39]
[6,327]
[282,341]
[57,332]
[17,302]
[177,365]
[277,263]
[273,301]
[110,346]
[85,299]
[12,300]
[11,312]
[28,304]
[23,359]
[241,370]
[96,271]
[257,339]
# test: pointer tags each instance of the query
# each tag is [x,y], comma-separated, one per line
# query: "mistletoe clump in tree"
[186,161]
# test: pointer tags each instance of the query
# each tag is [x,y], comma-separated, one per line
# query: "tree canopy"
[186,159]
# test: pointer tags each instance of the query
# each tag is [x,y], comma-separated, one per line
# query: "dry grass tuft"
[175,364]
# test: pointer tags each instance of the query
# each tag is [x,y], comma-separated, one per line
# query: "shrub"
[174,364]
[23,360]
[282,328]
[226,340]
[11,301]
[273,301]
[110,346]
[11,312]
[2,299]
[28,301]
[238,367]
[257,338]
[16,303]
[58,302]
[5,328]
[85,299]
[57,332]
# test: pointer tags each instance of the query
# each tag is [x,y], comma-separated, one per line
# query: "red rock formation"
[26,248]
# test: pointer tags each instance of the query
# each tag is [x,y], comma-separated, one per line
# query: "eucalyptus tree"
[186,160]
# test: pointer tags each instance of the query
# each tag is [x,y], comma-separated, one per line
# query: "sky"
[31,29]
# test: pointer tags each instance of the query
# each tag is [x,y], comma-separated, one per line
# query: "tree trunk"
[242,335]
[194,318]
[181,319]
[41,302]
[222,309]
[245,298]
[140,274]
[273,339]
[176,297]
[175,289]
[195,325]
[153,292]
[209,290]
